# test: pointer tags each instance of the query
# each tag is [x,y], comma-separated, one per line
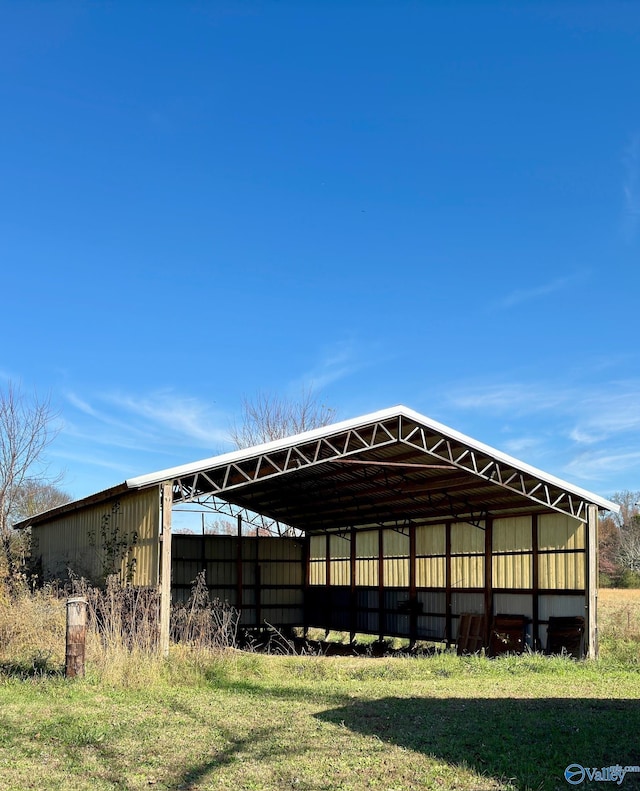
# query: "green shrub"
[605,580]
[629,579]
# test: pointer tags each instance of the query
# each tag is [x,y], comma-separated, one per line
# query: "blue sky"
[428,203]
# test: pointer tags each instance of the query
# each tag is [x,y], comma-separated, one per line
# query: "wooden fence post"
[165,566]
[76,636]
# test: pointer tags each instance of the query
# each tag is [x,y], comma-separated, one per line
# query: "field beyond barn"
[234,720]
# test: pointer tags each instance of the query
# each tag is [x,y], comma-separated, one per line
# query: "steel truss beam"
[491,469]
[219,506]
[236,474]
[346,446]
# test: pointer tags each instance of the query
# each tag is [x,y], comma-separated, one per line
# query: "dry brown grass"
[32,629]
[121,640]
[122,633]
[619,613]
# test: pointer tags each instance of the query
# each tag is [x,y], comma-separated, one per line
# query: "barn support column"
[328,599]
[448,599]
[488,578]
[413,593]
[352,580]
[381,613]
[239,572]
[166,503]
[535,584]
[306,571]
[591,577]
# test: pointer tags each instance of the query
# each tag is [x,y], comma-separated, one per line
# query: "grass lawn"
[248,721]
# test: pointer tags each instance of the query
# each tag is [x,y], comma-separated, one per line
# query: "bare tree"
[624,544]
[26,429]
[629,547]
[629,503]
[608,546]
[33,497]
[36,496]
[269,417]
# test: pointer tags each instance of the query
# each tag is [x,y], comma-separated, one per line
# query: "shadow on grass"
[218,679]
[31,669]
[526,742]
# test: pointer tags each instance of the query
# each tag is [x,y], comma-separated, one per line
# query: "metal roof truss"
[234,480]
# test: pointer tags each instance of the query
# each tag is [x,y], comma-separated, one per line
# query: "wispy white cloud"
[128,421]
[519,296]
[508,398]
[597,465]
[521,445]
[335,363]
[186,416]
[607,412]
[596,413]
[579,431]
[80,404]
[91,460]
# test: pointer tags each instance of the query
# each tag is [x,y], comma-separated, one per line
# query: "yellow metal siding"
[367,558]
[430,572]
[74,541]
[396,572]
[512,534]
[367,544]
[466,538]
[395,544]
[467,571]
[367,572]
[430,540]
[562,570]
[317,572]
[395,548]
[340,572]
[512,571]
[317,547]
[557,531]
[340,548]
[281,573]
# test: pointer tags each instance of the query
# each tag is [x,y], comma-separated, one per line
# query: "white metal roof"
[462,453]
[390,467]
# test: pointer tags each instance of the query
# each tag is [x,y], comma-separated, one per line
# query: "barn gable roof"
[391,467]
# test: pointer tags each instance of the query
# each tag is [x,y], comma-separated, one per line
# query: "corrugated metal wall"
[265,580]
[412,581]
[122,533]
[531,559]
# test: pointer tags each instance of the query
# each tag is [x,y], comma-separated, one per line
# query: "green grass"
[265,722]
[231,720]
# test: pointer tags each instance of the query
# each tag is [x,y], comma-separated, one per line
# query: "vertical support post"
[203,547]
[329,597]
[381,609]
[413,594]
[258,581]
[239,571]
[306,580]
[76,636]
[535,583]
[488,578]
[352,580]
[591,577]
[448,604]
[166,504]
